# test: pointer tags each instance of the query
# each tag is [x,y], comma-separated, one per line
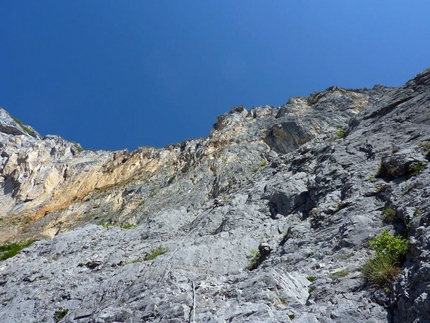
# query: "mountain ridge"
[132,236]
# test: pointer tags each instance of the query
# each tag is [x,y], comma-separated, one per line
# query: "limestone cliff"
[305,184]
[50,185]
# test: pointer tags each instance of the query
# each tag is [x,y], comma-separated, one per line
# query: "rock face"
[132,236]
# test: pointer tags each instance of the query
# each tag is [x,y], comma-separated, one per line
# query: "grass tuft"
[11,249]
[154,253]
[390,252]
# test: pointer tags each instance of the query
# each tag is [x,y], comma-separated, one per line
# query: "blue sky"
[124,74]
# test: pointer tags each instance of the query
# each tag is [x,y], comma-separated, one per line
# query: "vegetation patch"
[254,261]
[380,188]
[339,274]
[77,146]
[60,314]
[417,168]
[370,179]
[107,223]
[128,226]
[424,144]
[388,214]
[340,133]
[26,129]
[11,249]
[311,278]
[390,252]
[388,171]
[154,253]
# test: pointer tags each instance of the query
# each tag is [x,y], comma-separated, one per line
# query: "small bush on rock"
[389,255]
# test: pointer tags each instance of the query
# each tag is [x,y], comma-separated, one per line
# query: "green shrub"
[154,253]
[263,164]
[255,169]
[11,249]
[389,254]
[387,244]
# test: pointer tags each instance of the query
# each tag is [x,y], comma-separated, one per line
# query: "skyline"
[115,75]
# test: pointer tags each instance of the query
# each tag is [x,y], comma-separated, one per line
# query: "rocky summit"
[324,217]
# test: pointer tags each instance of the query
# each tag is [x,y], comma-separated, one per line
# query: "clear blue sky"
[124,74]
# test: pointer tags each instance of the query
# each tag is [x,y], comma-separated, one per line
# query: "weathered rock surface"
[305,185]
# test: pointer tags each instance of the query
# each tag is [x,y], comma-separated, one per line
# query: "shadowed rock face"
[305,185]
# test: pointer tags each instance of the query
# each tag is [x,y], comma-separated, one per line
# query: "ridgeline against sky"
[114,75]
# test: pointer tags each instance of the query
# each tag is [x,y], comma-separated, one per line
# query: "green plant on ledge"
[26,129]
[390,252]
[11,249]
